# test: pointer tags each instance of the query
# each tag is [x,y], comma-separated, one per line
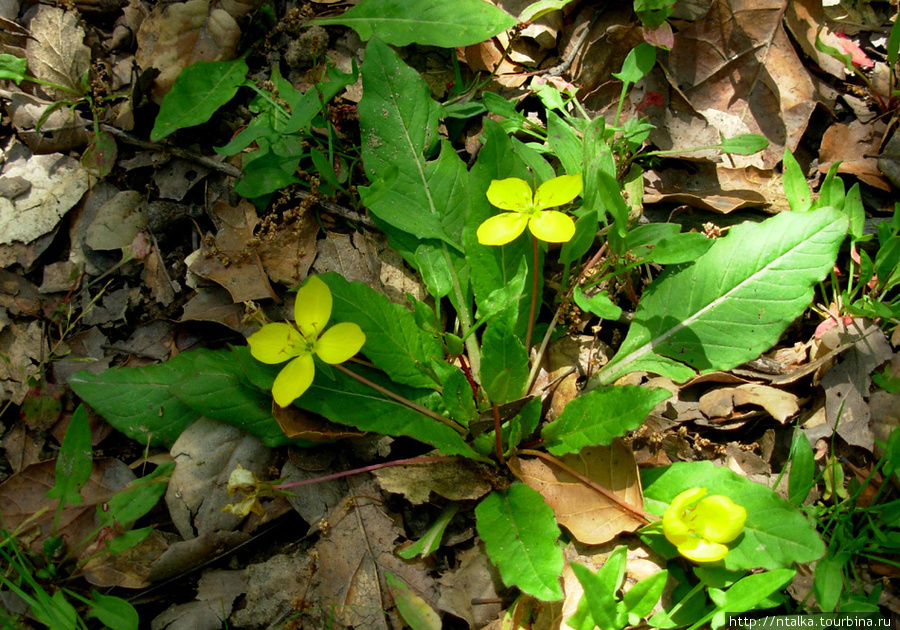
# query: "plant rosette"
[700,526]
[279,342]
[524,208]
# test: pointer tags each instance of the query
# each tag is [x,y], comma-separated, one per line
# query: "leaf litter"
[211,271]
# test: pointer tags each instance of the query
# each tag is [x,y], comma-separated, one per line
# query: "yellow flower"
[276,343]
[514,195]
[699,526]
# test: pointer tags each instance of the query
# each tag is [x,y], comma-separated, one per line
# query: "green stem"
[677,607]
[534,292]
[405,401]
[465,317]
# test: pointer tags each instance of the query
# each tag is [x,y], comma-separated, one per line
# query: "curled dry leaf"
[454,480]
[591,517]
[175,36]
[304,425]
[56,52]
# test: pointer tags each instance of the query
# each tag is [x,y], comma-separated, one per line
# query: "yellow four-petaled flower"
[527,209]
[279,342]
[699,526]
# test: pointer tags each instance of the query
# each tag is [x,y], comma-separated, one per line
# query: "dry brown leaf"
[174,36]
[56,52]
[23,348]
[304,425]
[214,304]
[130,568]
[454,480]
[716,188]
[589,516]
[804,18]
[63,130]
[22,496]
[288,253]
[475,577]
[721,402]
[738,69]
[850,144]
[232,262]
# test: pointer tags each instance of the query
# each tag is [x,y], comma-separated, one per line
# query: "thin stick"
[400,399]
[637,512]
[357,471]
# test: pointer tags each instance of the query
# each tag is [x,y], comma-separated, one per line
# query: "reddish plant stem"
[635,511]
[464,366]
[499,442]
[357,471]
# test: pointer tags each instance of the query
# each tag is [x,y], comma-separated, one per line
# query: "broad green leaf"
[734,301]
[128,540]
[856,214]
[393,341]
[803,469]
[113,612]
[501,297]
[504,361]
[565,143]
[600,596]
[525,422]
[399,121]
[831,192]
[796,188]
[599,416]
[426,22]
[585,232]
[744,144]
[642,597]
[217,388]
[415,611]
[74,461]
[137,498]
[519,533]
[137,401]
[431,541]
[537,9]
[639,240]
[680,248]
[828,581]
[599,305]
[776,534]
[200,90]
[459,399]
[893,46]
[747,593]
[347,401]
[637,64]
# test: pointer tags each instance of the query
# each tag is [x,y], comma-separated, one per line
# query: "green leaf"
[585,232]
[642,597]
[218,388]
[540,8]
[803,469]
[680,248]
[747,593]
[399,122]
[459,399]
[113,612]
[744,144]
[200,90]
[637,64]
[347,401]
[600,596]
[393,340]
[13,68]
[415,611]
[599,416]
[893,46]
[519,532]
[565,143]
[137,498]
[776,534]
[525,422]
[431,541]
[599,305]
[74,461]
[137,401]
[426,22]
[796,188]
[828,581]
[856,214]
[734,301]
[831,192]
[504,361]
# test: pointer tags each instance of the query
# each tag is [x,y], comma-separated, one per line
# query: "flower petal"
[719,519]
[340,342]
[294,379]
[510,194]
[557,191]
[501,229]
[312,309]
[552,226]
[700,550]
[275,343]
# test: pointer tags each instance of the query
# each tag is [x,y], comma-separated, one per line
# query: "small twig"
[637,512]
[356,471]
[567,61]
